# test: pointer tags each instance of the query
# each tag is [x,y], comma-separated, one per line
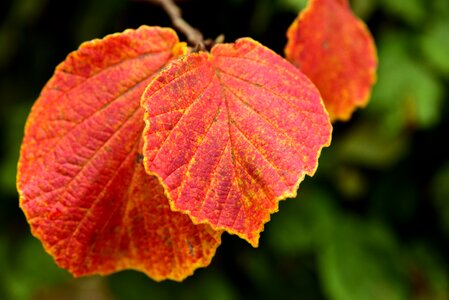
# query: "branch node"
[193,35]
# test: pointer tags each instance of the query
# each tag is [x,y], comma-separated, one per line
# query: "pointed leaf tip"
[231,133]
[82,184]
[337,52]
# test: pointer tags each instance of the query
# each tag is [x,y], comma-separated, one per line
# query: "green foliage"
[303,225]
[410,11]
[27,270]
[371,145]
[132,285]
[373,223]
[435,45]
[360,261]
[293,5]
[407,93]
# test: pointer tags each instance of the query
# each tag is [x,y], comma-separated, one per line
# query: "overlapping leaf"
[81,180]
[336,51]
[231,133]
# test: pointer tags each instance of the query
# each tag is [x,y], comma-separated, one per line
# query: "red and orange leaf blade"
[337,52]
[231,133]
[82,184]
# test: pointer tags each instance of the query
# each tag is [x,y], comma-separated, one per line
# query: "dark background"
[373,223]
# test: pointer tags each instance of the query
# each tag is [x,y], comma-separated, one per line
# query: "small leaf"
[303,226]
[369,145]
[411,11]
[81,179]
[428,271]
[361,261]
[408,95]
[336,51]
[435,45]
[231,133]
[293,5]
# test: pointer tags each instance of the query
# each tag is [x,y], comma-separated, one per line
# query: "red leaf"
[336,51]
[231,133]
[81,180]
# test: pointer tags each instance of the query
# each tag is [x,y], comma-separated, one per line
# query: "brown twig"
[194,37]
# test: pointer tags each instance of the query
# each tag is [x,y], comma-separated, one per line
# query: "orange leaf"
[231,133]
[336,51]
[81,179]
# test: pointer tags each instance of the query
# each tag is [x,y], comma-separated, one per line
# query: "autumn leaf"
[231,132]
[337,52]
[81,180]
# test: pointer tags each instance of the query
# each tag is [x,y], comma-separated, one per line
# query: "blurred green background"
[372,224]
